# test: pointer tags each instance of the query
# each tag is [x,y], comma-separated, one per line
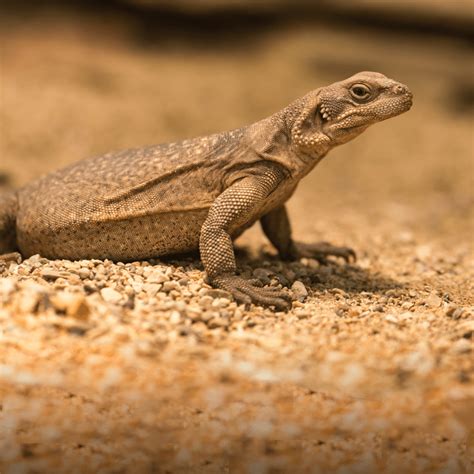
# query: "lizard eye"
[360,91]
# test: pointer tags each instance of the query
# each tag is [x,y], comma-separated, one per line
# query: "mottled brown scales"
[199,193]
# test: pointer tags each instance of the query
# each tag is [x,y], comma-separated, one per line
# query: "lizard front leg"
[276,227]
[233,208]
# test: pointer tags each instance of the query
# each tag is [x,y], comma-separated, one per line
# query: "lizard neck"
[298,156]
[287,139]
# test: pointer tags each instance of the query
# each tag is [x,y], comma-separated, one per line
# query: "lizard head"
[338,113]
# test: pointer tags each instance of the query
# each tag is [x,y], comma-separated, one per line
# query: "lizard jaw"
[355,120]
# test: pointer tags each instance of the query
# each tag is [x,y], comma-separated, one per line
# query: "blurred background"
[80,78]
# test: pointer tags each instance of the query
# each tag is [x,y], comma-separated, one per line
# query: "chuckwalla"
[198,193]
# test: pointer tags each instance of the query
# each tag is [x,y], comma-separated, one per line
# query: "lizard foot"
[251,291]
[320,251]
[10,257]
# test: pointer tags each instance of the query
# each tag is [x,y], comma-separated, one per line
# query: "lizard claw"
[249,291]
[322,250]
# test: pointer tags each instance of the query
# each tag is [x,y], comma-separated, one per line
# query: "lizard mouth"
[361,118]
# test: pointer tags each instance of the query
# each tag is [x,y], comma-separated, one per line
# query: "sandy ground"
[143,368]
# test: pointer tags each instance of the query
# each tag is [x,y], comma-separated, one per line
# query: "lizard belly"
[130,239]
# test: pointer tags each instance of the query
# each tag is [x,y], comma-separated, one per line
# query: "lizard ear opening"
[307,130]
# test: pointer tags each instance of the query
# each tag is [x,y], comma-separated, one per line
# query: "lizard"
[199,193]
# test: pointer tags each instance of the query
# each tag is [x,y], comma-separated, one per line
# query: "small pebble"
[461,346]
[71,304]
[170,286]
[299,290]
[263,275]
[51,275]
[84,273]
[175,317]
[28,302]
[156,276]
[454,312]
[7,286]
[216,323]
[433,301]
[217,293]
[151,289]
[110,295]
[391,318]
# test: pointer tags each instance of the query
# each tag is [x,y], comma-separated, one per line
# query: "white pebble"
[110,295]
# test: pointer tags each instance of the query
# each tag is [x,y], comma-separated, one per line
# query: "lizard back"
[101,203]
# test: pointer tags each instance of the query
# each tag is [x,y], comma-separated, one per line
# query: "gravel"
[336,355]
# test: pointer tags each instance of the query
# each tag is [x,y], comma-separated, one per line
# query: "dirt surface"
[143,367]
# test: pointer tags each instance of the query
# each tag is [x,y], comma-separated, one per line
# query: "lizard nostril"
[399,89]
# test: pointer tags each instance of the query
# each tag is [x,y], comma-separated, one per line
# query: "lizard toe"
[345,253]
[246,292]
[241,298]
[322,250]
[351,256]
[262,297]
[267,296]
[255,282]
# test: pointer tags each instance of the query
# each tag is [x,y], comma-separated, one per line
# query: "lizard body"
[198,193]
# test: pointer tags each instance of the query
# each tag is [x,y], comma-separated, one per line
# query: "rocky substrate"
[107,367]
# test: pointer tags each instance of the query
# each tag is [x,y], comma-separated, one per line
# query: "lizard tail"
[8,210]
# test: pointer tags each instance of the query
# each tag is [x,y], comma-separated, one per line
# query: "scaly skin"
[199,193]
